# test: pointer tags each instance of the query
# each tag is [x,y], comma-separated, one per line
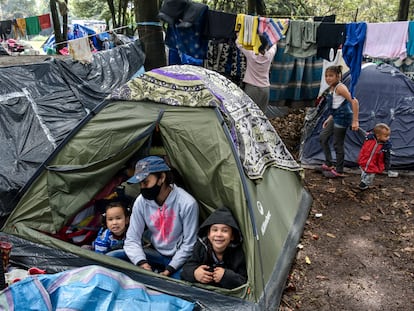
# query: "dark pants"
[338,133]
[260,95]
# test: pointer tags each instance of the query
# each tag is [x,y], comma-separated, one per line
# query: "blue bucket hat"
[146,166]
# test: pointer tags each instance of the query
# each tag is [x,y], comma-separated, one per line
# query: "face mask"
[151,193]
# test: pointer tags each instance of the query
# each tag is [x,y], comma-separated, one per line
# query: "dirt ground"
[357,249]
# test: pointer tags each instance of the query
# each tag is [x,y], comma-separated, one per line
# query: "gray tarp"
[41,103]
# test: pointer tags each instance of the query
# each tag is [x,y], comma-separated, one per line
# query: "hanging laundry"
[32,25]
[18,33]
[80,50]
[386,40]
[272,30]
[248,37]
[219,25]
[5,29]
[188,42]
[329,37]
[191,15]
[301,38]
[338,61]
[294,78]
[410,42]
[21,26]
[44,21]
[352,50]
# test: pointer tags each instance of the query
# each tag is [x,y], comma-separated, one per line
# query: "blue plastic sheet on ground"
[86,288]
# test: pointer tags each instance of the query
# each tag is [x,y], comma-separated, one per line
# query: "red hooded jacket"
[374,156]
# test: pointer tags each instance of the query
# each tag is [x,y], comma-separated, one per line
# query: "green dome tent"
[226,152]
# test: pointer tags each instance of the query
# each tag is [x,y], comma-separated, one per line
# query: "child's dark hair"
[264,44]
[126,210]
[169,176]
[335,69]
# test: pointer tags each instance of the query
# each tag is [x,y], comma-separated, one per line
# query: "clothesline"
[88,36]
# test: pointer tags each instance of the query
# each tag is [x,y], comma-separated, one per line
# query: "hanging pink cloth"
[386,40]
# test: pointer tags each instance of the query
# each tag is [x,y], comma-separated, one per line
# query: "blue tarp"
[86,288]
[78,31]
[385,95]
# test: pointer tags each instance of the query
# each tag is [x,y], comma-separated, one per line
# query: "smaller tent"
[385,95]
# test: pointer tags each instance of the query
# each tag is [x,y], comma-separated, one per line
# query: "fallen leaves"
[322,277]
[331,190]
[365,217]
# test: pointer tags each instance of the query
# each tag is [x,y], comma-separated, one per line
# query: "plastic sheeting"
[87,288]
[385,95]
[40,104]
[29,254]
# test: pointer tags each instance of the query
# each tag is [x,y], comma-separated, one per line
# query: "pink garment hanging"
[386,40]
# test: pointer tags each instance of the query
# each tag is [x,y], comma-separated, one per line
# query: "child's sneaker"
[392,174]
[363,186]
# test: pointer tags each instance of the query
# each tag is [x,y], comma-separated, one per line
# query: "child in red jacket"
[375,154]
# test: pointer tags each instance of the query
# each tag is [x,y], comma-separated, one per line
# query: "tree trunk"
[124,15]
[256,7]
[113,16]
[56,25]
[65,24]
[119,22]
[260,7]
[251,7]
[403,10]
[151,36]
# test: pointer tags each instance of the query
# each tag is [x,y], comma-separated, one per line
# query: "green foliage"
[231,6]
[22,8]
[92,9]
[345,10]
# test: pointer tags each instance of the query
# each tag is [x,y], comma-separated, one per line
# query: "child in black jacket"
[218,258]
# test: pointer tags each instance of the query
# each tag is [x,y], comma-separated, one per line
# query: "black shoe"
[363,186]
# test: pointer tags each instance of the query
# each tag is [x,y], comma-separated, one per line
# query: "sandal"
[327,168]
[337,174]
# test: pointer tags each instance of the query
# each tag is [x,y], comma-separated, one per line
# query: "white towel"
[81,50]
